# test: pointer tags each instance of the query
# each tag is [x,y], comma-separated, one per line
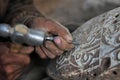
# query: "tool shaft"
[23,35]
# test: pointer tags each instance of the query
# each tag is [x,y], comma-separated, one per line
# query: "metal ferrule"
[35,37]
[21,34]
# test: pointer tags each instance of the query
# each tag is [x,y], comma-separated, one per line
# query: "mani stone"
[96,55]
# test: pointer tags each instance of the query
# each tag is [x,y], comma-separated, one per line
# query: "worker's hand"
[61,43]
[13,59]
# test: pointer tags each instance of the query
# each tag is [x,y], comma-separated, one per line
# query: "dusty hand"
[61,43]
[13,59]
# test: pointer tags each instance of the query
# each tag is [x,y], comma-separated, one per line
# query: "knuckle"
[58,52]
[47,44]
[37,50]
[43,57]
[70,48]
[52,57]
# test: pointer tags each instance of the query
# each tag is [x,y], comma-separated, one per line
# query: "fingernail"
[57,40]
[69,38]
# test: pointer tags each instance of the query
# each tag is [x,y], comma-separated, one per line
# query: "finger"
[53,48]
[15,58]
[14,48]
[62,44]
[48,53]
[11,68]
[13,71]
[4,49]
[40,52]
[17,48]
[58,29]
[26,50]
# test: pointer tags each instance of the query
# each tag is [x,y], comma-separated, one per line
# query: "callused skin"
[97,55]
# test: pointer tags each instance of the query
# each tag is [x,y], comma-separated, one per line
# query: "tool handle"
[23,35]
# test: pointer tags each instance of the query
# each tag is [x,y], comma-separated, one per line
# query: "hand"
[13,59]
[61,43]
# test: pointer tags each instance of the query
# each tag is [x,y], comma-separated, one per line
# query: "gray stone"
[96,53]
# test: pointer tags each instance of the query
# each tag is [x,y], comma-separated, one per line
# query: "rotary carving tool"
[23,35]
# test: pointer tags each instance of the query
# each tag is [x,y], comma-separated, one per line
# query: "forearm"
[22,11]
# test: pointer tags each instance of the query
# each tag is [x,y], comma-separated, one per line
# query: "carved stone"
[96,55]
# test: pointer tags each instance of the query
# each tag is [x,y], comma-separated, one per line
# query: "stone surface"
[96,55]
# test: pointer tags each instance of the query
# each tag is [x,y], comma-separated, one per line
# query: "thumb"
[62,44]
